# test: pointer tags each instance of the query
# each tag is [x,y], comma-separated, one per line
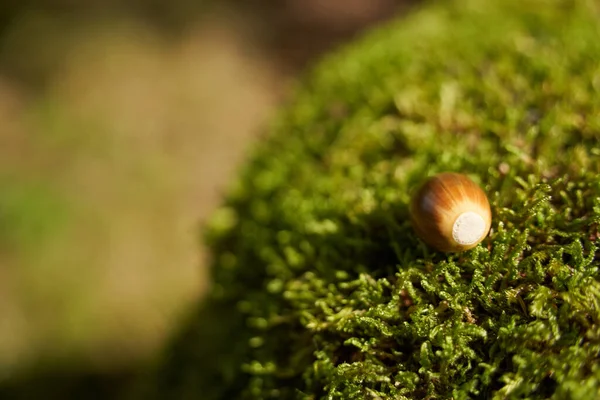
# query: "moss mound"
[322,290]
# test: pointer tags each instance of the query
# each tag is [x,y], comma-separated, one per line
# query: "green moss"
[322,290]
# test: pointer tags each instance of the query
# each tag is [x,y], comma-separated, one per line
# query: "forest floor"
[117,141]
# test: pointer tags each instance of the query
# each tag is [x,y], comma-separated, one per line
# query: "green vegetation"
[29,213]
[322,290]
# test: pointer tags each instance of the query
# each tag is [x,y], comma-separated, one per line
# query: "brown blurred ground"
[136,114]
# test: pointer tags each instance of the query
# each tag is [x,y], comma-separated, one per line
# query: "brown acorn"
[451,213]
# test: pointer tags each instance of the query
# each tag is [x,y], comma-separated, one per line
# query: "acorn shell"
[451,213]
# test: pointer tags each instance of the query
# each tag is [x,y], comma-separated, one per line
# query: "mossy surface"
[322,290]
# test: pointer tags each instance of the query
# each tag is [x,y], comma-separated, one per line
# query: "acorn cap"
[451,213]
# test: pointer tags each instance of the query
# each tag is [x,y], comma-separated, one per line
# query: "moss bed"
[321,288]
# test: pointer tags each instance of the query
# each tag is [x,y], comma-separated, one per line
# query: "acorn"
[451,213]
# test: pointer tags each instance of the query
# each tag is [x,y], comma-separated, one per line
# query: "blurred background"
[121,123]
